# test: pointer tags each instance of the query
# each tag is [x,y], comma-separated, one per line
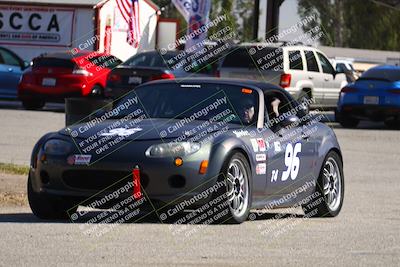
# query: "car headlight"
[57,147]
[172,149]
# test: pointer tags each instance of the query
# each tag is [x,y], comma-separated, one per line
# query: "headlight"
[172,149]
[57,147]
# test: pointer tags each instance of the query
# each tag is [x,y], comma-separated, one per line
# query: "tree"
[354,23]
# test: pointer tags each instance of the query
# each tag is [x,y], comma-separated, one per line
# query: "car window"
[238,58]
[391,75]
[295,60]
[340,67]
[44,62]
[149,60]
[8,58]
[312,64]
[325,64]
[263,58]
[165,101]
[284,106]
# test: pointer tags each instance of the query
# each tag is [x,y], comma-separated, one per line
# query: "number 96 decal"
[292,163]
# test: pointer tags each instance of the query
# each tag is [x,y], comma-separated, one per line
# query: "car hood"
[148,129]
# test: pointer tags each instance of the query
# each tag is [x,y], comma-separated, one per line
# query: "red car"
[53,77]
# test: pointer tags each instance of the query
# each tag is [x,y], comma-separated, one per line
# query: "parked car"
[305,72]
[53,77]
[11,68]
[151,66]
[374,96]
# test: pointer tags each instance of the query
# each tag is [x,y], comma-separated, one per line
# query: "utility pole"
[256,17]
[266,18]
[272,25]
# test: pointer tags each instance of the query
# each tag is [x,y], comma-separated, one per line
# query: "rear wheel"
[393,124]
[97,91]
[346,121]
[33,104]
[48,207]
[329,192]
[304,100]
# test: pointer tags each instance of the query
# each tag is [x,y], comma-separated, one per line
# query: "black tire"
[33,104]
[97,91]
[228,212]
[47,207]
[304,100]
[346,121]
[393,124]
[320,205]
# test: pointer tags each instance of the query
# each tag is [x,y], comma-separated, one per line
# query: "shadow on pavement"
[17,105]
[144,219]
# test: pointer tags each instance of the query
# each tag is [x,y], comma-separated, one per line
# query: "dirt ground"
[13,190]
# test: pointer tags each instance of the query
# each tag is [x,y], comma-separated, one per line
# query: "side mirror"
[25,65]
[291,120]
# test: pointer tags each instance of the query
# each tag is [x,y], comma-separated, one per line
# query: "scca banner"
[36,26]
[196,13]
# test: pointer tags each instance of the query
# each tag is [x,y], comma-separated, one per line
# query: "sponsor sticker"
[241,133]
[122,132]
[261,145]
[277,146]
[261,168]
[261,157]
[258,145]
[254,144]
[79,159]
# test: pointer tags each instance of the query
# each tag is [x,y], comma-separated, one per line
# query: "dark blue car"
[11,68]
[374,96]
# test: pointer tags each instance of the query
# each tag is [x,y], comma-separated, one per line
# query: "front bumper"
[161,181]
[370,112]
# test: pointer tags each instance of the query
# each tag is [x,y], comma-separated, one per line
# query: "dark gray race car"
[218,147]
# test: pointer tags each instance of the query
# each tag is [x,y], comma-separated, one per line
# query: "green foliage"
[13,169]
[239,12]
[354,23]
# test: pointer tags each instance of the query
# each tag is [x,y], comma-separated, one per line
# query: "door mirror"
[25,65]
[291,120]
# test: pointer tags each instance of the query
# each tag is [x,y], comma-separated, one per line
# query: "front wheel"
[46,207]
[33,104]
[329,192]
[236,172]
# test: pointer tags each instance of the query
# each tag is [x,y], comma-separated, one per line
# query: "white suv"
[303,71]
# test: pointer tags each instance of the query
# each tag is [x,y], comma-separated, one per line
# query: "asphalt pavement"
[366,233]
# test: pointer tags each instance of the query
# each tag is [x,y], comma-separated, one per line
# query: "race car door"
[291,151]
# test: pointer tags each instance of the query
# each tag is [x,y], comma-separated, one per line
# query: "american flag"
[130,12]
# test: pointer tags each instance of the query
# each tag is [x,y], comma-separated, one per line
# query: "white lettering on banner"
[36,26]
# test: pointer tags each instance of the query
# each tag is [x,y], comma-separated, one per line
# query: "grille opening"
[100,179]
[44,177]
[177,181]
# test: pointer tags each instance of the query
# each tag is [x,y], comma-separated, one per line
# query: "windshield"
[390,75]
[153,59]
[194,102]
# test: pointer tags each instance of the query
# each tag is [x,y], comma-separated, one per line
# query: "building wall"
[82,30]
[109,15]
